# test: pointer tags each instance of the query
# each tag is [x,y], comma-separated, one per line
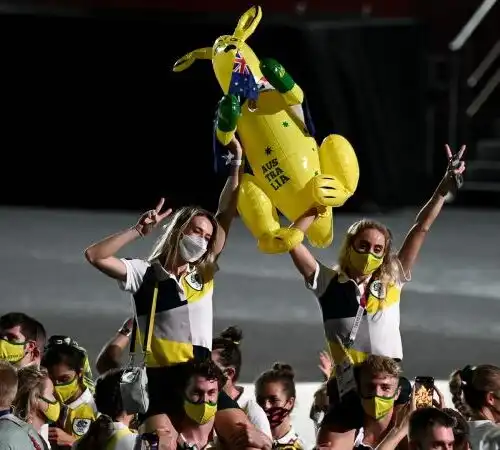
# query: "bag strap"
[148,332]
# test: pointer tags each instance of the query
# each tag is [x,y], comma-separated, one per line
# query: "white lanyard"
[359,317]
[344,372]
[355,327]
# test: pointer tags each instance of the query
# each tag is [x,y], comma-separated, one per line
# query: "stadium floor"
[449,311]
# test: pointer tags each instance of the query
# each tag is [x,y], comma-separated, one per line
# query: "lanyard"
[359,317]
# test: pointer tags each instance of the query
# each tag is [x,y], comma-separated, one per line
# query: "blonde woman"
[181,270]
[35,402]
[359,298]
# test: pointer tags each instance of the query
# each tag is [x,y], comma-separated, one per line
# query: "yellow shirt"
[77,416]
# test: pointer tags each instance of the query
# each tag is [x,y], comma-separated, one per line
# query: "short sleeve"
[127,442]
[321,279]
[136,269]
[491,440]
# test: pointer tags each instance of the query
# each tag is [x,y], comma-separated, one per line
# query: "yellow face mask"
[365,263]
[53,410]
[377,407]
[67,391]
[200,412]
[12,352]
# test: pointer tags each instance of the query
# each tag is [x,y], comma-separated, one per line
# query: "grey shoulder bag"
[134,381]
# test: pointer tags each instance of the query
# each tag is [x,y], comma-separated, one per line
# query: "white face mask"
[192,248]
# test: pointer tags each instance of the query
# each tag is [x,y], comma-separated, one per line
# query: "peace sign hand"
[152,218]
[453,178]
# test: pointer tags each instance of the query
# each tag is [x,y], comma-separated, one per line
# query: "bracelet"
[136,228]
[236,162]
[125,331]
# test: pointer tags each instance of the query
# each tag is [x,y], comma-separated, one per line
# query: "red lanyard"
[364,297]
[35,443]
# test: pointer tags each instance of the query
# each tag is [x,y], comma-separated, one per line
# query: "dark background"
[92,115]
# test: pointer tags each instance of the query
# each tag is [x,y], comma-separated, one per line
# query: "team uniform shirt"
[340,297]
[122,438]
[484,435]
[183,326]
[254,412]
[77,416]
[289,441]
[16,434]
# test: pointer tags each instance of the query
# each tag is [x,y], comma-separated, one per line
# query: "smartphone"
[424,392]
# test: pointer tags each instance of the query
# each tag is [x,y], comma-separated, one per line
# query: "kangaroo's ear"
[187,60]
[248,23]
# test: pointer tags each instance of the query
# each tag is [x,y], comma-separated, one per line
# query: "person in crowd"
[68,368]
[379,388]
[180,274]
[475,392]
[111,430]
[194,422]
[460,430]
[431,429]
[35,402]
[397,435]
[320,402]
[15,434]
[275,393]
[226,353]
[22,339]
[367,282]
[319,406]
[110,356]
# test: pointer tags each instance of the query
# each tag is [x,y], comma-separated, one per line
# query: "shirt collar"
[288,438]
[163,274]
[344,278]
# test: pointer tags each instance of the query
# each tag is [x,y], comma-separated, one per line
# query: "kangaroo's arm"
[228,112]
[282,81]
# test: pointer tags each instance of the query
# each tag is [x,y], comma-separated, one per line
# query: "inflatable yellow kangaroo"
[290,173]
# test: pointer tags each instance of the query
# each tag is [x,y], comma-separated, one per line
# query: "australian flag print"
[243,83]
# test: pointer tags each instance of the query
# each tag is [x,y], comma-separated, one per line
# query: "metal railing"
[456,46]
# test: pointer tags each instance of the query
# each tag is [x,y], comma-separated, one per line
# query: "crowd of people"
[49,397]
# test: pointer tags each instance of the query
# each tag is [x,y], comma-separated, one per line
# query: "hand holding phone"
[424,392]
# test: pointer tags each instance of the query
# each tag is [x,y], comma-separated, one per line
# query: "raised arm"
[111,354]
[303,259]
[428,214]
[102,254]
[229,196]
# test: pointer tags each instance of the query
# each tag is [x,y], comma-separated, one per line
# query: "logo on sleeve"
[195,281]
[81,426]
[377,289]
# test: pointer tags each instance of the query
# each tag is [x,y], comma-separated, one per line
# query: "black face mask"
[276,415]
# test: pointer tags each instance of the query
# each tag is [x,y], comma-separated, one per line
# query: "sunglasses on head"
[57,340]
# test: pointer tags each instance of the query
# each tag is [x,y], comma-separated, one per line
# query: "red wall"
[445,17]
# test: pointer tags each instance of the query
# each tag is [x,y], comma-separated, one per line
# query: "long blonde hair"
[166,247]
[29,389]
[389,271]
